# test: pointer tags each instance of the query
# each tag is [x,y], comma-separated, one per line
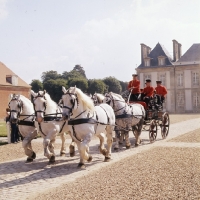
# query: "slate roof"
[191,56]
[158,50]
[5,71]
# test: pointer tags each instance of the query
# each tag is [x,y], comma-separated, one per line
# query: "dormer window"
[147,62]
[12,79]
[161,60]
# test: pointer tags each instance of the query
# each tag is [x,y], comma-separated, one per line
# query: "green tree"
[36,85]
[77,72]
[54,88]
[50,75]
[96,85]
[79,83]
[124,85]
[113,84]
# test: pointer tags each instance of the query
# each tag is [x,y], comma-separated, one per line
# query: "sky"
[103,36]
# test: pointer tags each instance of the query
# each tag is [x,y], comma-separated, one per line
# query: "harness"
[124,114]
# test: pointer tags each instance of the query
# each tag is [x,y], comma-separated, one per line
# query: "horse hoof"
[62,154]
[120,143]
[136,145]
[128,147]
[28,160]
[107,159]
[72,154]
[81,166]
[52,160]
[116,148]
[33,155]
[103,151]
[89,159]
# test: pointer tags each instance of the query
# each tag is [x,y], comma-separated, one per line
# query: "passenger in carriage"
[134,87]
[148,92]
[161,92]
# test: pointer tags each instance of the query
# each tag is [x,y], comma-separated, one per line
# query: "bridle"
[19,105]
[45,105]
[113,102]
[72,101]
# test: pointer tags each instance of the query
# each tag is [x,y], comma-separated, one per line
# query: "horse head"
[16,106]
[39,103]
[69,101]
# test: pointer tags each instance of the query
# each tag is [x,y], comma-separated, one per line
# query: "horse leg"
[83,150]
[51,149]
[63,147]
[128,144]
[109,143]
[102,148]
[72,146]
[117,137]
[121,138]
[46,143]
[138,131]
[26,144]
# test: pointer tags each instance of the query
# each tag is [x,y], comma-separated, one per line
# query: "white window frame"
[196,100]
[161,60]
[180,79]
[195,78]
[162,77]
[147,76]
[147,62]
[180,99]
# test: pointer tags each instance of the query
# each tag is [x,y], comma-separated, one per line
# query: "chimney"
[177,53]
[145,51]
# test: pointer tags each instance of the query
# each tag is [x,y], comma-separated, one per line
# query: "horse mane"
[26,101]
[100,97]
[117,95]
[50,103]
[86,100]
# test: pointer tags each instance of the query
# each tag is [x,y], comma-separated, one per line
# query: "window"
[161,60]
[180,79]
[147,61]
[196,100]
[195,78]
[180,99]
[163,79]
[147,76]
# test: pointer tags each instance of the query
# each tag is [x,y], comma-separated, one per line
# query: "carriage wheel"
[165,125]
[153,131]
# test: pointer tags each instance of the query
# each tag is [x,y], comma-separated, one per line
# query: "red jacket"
[161,90]
[136,84]
[148,91]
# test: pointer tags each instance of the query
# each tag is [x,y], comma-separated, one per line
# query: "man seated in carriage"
[148,92]
[134,87]
[161,92]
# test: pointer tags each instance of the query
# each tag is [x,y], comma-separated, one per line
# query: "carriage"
[155,118]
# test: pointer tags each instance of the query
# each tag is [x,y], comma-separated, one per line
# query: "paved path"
[22,181]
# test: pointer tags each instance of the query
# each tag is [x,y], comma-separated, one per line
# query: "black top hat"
[158,81]
[148,80]
[134,75]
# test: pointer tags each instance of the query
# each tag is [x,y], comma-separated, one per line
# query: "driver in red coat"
[134,85]
[148,92]
[161,91]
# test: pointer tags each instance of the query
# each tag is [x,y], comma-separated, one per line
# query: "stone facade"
[180,75]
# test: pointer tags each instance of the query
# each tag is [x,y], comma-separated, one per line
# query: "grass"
[3,132]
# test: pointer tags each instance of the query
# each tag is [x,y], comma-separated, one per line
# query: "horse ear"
[33,93]
[64,90]
[44,92]
[18,96]
[11,96]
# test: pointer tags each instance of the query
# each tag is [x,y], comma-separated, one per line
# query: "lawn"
[3,132]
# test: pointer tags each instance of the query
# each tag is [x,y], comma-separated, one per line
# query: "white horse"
[86,120]
[128,117]
[23,114]
[97,98]
[49,123]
